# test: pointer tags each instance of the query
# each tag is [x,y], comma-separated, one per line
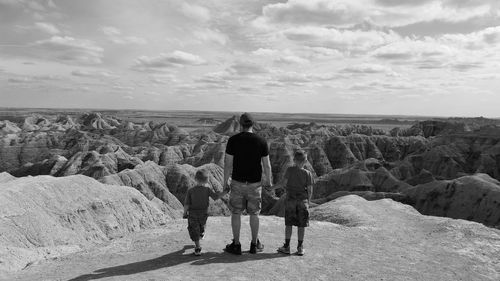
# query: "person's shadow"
[173,259]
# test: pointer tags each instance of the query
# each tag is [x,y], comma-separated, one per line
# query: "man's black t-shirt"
[247,150]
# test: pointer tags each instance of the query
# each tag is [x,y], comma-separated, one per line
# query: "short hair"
[246,120]
[201,175]
[300,155]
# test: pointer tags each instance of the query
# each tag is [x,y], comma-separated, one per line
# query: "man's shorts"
[296,212]
[196,224]
[245,196]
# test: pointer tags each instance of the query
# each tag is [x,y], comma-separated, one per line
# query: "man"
[247,156]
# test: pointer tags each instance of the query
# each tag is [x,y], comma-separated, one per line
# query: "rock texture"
[347,158]
[45,217]
[353,239]
[475,198]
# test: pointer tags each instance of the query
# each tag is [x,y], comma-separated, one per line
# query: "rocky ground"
[352,239]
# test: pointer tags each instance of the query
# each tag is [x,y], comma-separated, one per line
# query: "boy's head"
[300,157]
[201,176]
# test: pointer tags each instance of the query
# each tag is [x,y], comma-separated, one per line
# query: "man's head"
[300,157]
[246,121]
[201,176]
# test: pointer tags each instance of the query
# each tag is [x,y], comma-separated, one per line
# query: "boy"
[196,207]
[298,185]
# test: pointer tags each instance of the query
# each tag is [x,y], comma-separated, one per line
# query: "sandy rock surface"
[356,240]
[45,217]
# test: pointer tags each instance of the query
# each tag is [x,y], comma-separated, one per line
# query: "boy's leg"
[194,228]
[288,235]
[300,233]
[197,244]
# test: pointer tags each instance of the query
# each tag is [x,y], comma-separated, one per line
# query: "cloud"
[195,12]
[115,35]
[220,78]
[47,28]
[20,80]
[391,13]
[209,35]
[368,69]
[110,30]
[163,79]
[69,49]
[246,68]
[164,60]
[93,74]
[343,40]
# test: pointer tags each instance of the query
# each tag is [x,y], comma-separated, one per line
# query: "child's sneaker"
[284,250]
[233,248]
[300,250]
[197,251]
[258,247]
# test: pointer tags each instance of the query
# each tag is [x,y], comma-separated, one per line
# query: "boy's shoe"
[284,250]
[197,251]
[256,248]
[300,251]
[233,248]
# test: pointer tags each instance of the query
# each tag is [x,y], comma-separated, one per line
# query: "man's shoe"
[197,251]
[300,251]
[284,250]
[233,248]
[256,248]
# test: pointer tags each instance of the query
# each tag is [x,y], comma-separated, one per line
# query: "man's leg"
[254,226]
[236,226]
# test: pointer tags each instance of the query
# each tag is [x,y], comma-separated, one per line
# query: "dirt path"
[334,252]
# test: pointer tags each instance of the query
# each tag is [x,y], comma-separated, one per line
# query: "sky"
[391,57]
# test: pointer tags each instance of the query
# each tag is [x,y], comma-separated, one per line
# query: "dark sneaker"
[197,251]
[300,251]
[233,248]
[256,248]
[284,250]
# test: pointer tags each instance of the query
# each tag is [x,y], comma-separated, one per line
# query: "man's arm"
[228,170]
[280,184]
[266,164]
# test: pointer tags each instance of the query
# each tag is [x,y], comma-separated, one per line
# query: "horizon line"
[239,112]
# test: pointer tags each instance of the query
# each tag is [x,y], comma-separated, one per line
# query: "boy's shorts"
[245,196]
[196,224]
[296,212]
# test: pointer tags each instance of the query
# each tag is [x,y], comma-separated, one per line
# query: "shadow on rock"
[173,259]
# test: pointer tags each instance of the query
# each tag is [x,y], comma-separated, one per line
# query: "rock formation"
[44,217]
[475,198]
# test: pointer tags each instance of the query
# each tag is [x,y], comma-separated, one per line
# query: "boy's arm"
[217,195]
[187,203]
[309,192]
[186,211]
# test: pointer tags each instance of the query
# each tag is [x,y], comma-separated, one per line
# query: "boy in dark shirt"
[298,185]
[196,207]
